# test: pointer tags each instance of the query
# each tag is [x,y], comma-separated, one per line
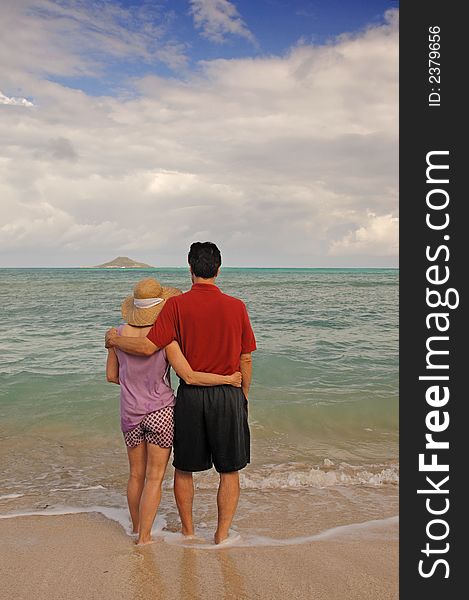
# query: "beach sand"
[87,556]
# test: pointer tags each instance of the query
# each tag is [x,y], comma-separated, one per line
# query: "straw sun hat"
[147,302]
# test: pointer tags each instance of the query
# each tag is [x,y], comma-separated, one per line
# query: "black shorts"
[211,427]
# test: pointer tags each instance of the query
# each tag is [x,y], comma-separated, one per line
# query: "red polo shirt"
[212,328]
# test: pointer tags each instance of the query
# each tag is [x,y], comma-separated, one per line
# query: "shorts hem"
[159,445]
[192,470]
[231,469]
[133,445]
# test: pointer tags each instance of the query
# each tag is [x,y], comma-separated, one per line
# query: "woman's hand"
[235,379]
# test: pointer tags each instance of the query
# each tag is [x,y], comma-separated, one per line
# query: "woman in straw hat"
[147,402]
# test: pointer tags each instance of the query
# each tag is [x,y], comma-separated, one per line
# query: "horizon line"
[185,266]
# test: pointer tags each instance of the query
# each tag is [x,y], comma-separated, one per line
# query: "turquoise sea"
[323,404]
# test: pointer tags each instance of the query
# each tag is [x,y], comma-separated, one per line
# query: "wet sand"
[88,557]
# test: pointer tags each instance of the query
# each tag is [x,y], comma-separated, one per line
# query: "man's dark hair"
[204,259]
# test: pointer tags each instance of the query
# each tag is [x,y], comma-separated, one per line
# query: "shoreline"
[121,517]
[85,555]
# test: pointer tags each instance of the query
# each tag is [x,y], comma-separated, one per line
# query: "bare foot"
[219,537]
[188,533]
[143,541]
[231,538]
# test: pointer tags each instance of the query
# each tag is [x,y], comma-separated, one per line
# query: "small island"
[123,262]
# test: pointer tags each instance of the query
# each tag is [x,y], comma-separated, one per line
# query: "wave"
[319,479]
[10,496]
[78,488]
[291,476]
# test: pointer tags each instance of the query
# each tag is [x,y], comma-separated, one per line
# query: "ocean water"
[323,403]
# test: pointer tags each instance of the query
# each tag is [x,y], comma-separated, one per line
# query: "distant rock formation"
[123,262]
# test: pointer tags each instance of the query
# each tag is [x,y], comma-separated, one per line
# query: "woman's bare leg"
[157,459]
[138,465]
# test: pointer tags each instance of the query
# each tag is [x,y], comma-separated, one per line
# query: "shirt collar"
[206,287]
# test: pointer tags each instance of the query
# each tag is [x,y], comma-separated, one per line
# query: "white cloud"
[219,18]
[285,160]
[14,101]
[379,235]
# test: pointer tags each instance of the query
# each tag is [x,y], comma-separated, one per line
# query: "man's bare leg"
[227,501]
[184,495]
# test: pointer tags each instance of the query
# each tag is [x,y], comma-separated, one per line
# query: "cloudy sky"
[134,128]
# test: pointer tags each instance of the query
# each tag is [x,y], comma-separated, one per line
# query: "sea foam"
[296,475]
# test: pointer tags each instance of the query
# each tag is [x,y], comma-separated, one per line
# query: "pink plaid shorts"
[156,428]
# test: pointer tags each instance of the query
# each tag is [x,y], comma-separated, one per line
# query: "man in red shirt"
[211,425]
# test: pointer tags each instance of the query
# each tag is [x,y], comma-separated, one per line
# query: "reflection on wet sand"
[233,583]
[188,576]
[148,580]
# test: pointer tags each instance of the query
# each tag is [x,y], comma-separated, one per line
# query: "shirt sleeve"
[248,341]
[165,328]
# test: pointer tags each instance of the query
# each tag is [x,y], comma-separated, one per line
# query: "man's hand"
[235,379]
[246,370]
[111,335]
